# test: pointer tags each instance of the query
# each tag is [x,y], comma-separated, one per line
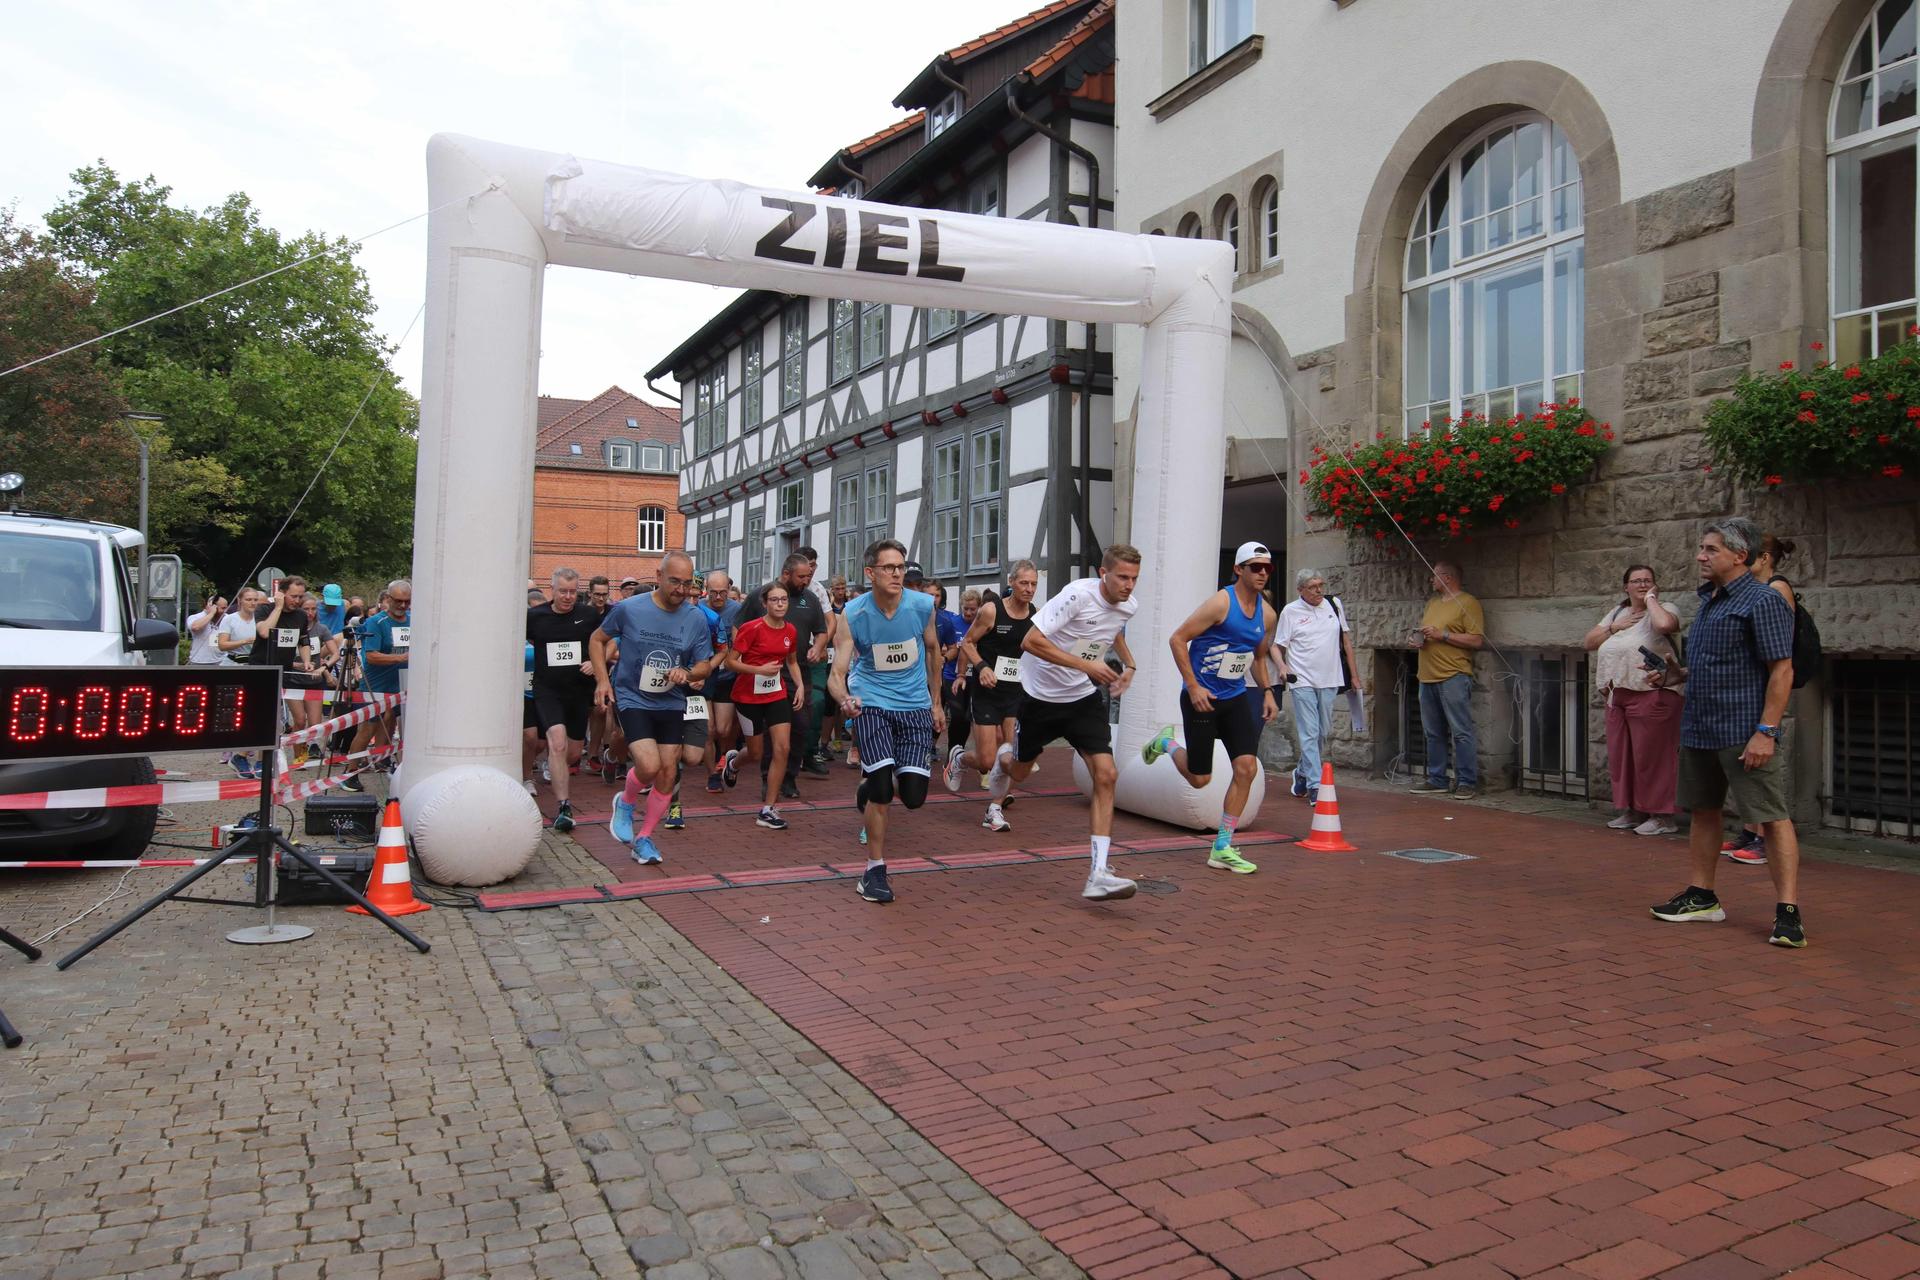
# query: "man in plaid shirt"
[1739,676]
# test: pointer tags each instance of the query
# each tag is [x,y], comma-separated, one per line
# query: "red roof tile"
[1098,17]
[887,134]
[981,43]
[595,421]
[553,408]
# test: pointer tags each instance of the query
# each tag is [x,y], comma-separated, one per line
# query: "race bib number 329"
[564,653]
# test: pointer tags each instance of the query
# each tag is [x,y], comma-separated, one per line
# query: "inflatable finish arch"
[471,821]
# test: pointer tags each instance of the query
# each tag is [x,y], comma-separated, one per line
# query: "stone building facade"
[1697,211]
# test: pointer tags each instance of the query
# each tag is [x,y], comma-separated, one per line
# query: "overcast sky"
[321,114]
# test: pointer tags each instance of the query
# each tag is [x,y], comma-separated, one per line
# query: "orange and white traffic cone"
[1325,836]
[390,887]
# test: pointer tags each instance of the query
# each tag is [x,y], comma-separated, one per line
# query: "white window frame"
[793,354]
[943,115]
[713,546]
[1574,675]
[651,523]
[752,381]
[947,491]
[791,500]
[986,503]
[754,547]
[620,455]
[873,334]
[847,526]
[1270,224]
[1861,332]
[1214,27]
[653,457]
[1548,247]
[1229,230]
[844,324]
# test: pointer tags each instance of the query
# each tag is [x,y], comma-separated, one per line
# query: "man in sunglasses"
[1217,649]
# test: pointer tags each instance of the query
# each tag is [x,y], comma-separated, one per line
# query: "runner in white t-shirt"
[1065,682]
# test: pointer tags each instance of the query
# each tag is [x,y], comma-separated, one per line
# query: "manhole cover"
[1429,855]
[1159,888]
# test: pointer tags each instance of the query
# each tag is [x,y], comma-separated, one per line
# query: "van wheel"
[135,832]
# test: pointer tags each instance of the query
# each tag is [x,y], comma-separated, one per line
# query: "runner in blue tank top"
[886,679]
[1216,649]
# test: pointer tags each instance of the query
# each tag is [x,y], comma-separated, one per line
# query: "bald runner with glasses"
[1218,649]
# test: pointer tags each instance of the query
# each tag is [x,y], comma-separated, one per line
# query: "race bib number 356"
[895,657]
[1006,667]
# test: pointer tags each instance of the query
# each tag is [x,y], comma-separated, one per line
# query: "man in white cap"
[1216,649]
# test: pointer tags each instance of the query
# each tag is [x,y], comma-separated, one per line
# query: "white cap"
[1252,551]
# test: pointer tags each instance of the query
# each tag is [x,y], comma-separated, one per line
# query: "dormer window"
[852,189]
[652,458]
[633,424]
[575,448]
[942,116]
[620,455]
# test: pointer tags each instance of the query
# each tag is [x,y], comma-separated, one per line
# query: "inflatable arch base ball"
[503,214]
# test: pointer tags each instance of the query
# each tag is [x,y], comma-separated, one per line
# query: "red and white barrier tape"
[101,864]
[314,733]
[125,797]
[328,695]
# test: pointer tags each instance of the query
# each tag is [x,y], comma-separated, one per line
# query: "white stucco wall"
[1335,87]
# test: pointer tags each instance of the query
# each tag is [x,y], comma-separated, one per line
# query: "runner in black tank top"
[991,648]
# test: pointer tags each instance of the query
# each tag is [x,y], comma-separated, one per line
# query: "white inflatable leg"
[473,517]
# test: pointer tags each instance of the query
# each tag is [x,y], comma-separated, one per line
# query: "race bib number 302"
[895,657]
[1234,666]
[564,653]
[1006,667]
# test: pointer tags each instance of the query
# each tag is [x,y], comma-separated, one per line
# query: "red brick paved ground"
[1352,1066]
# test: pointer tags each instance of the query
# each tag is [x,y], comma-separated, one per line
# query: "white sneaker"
[528,784]
[1104,886]
[546,770]
[953,769]
[996,820]
[1628,818]
[1655,826]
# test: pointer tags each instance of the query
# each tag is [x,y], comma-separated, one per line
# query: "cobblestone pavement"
[569,1093]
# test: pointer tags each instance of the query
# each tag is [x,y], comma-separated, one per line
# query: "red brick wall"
[586,520]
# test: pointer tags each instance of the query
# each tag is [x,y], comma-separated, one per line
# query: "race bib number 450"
[895,657]
[565,653]
[766,684]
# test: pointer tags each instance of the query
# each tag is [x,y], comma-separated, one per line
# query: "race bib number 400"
[1234,666]
[766,684]
[1006,668]
[895,657]
[565,653]
[696,707]
[402,638]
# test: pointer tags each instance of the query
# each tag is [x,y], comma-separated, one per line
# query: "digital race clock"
[55,713]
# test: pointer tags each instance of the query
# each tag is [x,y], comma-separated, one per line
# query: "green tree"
[255,385]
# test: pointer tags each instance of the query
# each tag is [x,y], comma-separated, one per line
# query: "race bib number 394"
[895,657]
[286,637]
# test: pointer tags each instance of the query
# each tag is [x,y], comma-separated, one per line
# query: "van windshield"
[49,583]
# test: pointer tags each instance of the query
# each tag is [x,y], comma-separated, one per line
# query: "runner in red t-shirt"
[763,653]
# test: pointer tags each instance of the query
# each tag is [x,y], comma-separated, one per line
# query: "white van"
[66,600]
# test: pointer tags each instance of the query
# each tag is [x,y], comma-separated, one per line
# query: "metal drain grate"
[1429,855]
[1159,888]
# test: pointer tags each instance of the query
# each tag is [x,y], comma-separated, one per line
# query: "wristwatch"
[1771,730]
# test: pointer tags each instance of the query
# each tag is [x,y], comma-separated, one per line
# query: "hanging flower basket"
[1826,422]
[1464,475]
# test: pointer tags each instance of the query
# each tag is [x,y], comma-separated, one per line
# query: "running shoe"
[952,775]
[730,768]
[299,757]
[1428,787]
[352,783]
[1299,787]
[1158,745]
[1691,904]
[816,767]
[995,819]
[676,821]
[1655,825]
[789,790]
[1104,886]
[1627,820]
[1788,931]
[1743,840]
[528,783]
[546,769]
[644,852]
[714,785]
[563,816]
[771,820]
[873,885]
[863,836]
[621,824]
[244,767]
[1229,859]
[1746,857]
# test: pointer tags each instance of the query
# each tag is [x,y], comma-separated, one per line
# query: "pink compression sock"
[631,792]
[657,804]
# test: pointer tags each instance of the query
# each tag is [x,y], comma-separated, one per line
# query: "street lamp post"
[143,417]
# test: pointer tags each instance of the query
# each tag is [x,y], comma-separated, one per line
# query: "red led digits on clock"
[227,706]
[91,712]
[27,715]
[190,710]
[136,711]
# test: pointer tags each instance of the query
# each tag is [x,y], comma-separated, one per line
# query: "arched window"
[1266,227]
[1495,291]
[1189,227]
[1870,145]
[653,530]
[1226,226]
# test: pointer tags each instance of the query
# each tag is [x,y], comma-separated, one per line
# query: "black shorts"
[991,706]
[720,691]
[529,718]
[641,725]
[1082,723]
[758,717]
[564,707]
[1234,722]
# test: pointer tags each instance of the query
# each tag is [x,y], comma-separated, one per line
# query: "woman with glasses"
[1643,720]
